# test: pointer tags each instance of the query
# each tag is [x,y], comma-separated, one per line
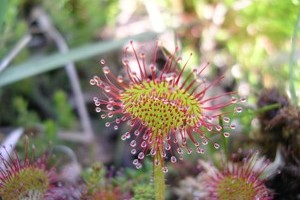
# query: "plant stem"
[292,62]
[159,179]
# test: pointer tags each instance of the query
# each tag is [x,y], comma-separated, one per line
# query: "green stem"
[292,62]
[267,108]
[159,179]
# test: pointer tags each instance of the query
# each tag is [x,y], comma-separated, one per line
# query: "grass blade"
[37,66]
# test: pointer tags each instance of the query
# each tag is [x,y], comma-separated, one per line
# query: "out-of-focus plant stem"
[292,61]
[159,179]
[267,108]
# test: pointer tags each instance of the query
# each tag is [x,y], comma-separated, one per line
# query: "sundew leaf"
[50,62]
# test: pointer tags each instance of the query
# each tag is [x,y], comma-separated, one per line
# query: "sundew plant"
[163,108]
[25,178]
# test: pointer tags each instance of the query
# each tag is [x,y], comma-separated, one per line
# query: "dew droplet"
[167,146]
[141,155]
[106,70]
[152,152]
[123,137]
[133,151]
[189,151]
[165,169]
[116,127]
[98,109]
[145,136]
[131,123]
[110,115]
[107,124]
[156,162]
[243,99]
[210,128]
[152,68]
[183,141]
[144,144]
[173,159]
[216,145]
[92,82]
[179,150]
[136,132]
[209,119]
[97,103]
[133,143]
[226,134]
[226,119]
[204,142]
[195,71]
[107,88]
[218,127]
[179,59]
[200,150]
[234,100]
[139,166]
[127,134]
[238,109]
[232,126]
[103,116]
[120,79]
[135,161]
[199,124]
[102,61]
[110,100]
[109,107]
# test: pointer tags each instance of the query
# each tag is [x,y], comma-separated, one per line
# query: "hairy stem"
[159,179]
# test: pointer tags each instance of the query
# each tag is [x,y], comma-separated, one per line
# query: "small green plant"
[143,192]
[65,115]
[99,187]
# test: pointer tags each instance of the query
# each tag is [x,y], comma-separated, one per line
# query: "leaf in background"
[3,8]
[37,66]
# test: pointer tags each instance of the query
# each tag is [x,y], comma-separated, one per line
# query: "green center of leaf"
[236,189]
[27,182]
[161,106]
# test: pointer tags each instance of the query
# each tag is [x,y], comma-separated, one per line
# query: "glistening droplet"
[133,151]
[102,61]
[216,145]
[173,159]
[133,143]
[141,155]
[106,70]
[200,150]
[226,134]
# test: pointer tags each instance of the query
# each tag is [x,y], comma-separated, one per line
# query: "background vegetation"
[255,43]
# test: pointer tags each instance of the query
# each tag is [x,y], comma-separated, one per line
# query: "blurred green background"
[254,42]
